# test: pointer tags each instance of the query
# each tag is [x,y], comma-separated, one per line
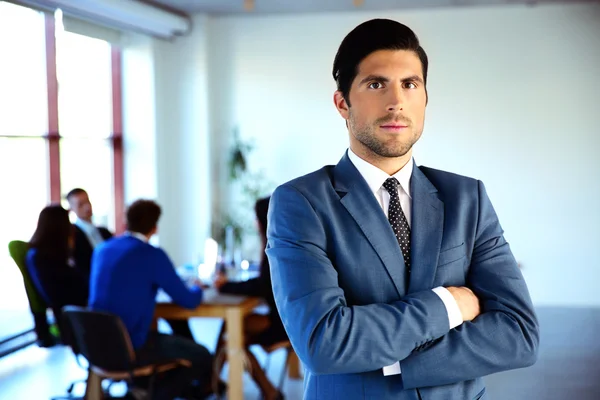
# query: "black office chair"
[104,341]
[67,339]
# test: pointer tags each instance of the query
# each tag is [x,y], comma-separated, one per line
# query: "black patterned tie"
[398,220]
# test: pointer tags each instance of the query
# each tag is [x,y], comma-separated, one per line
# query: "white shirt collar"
[84,225]
[91,232]
[137,235]
[376,177]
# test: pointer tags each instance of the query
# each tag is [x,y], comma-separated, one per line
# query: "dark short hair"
[75,192]
[366,38]
[51,237]
[143,216]
[261,208]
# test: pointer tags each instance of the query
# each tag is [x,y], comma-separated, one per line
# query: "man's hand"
[467,302]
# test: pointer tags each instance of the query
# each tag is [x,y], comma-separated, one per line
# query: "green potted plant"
[233,226]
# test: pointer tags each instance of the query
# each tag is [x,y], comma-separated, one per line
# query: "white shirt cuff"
[454,314]
[393,369]
[454,319]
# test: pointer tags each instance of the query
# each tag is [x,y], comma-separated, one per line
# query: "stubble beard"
[366,134]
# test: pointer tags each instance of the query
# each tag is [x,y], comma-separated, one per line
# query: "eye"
[375,85]
[410,85]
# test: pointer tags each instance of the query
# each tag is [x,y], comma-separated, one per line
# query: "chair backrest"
[100,337]
[18,251]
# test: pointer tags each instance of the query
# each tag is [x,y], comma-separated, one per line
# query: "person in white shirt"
[87,235]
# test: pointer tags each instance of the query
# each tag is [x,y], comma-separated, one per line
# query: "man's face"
[81,206]
[388,100]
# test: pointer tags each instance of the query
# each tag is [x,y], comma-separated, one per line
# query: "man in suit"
[394,281]
[87,235]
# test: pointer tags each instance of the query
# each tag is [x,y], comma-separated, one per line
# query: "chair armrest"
[142,370]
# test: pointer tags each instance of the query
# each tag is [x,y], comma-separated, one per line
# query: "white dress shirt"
[375,179]
[91,232]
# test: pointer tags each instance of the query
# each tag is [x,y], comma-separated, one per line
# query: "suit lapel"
[357,198]
[427,228]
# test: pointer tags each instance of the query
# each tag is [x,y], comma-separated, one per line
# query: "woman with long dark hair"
[48,261]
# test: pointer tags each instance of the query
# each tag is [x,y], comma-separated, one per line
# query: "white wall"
[513,97]
[184,190]
[166,136]
[139,123]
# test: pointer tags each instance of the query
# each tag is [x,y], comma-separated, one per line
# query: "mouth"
[393,127]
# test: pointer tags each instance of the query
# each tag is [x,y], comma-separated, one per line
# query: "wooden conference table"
[230,308]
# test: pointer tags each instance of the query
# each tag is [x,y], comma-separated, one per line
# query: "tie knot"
[391,185]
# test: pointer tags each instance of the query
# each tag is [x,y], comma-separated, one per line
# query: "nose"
[395,100]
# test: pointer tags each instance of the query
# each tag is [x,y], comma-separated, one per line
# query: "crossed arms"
[332,337]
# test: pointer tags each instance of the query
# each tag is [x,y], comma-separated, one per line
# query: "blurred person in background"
[258,328]
[88,236]
[50,264]
[125,277]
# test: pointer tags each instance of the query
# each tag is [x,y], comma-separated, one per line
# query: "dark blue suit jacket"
[349,310]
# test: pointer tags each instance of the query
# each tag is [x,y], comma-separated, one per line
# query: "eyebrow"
[383,79]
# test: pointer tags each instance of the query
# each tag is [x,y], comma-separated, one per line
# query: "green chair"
[47,335]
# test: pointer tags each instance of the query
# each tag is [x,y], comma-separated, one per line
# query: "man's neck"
[389,165]
[140,236]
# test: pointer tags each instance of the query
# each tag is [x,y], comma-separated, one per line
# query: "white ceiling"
[307,6]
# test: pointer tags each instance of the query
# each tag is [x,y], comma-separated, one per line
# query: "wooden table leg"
[93,388]
[294,366]
[235,354]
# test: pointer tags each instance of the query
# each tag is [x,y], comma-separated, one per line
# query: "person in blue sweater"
[126,273]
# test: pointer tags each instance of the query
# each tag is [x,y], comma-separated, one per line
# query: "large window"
[59,116]
[23,96]
[85,119]
[23,162]
[87,163]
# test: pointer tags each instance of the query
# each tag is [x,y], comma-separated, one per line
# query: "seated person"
[49,261]
[258,328]
[88,236]
[126,274]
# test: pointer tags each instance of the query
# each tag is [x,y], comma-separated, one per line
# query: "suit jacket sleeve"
[105,233]
[84,250]
[504,336]
[329,336]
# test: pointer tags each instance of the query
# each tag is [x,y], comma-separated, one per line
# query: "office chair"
[102,339]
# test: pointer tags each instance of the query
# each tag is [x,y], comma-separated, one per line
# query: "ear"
[341,104]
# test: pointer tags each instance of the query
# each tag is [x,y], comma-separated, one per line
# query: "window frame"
[53,137]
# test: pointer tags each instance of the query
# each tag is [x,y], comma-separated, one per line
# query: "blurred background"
[207,105]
